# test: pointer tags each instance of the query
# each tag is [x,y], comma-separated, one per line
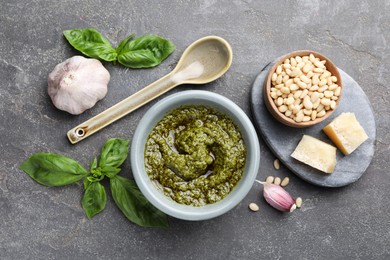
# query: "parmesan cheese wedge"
[316,154]
[346,133]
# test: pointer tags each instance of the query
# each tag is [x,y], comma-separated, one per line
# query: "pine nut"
[302,85]
[298,59]
[285,182]
[307,67]
[304,93]
[270,179]
[328,94]
[276,164]
[314,115]
[337,92]
[293,62]
[316,103]
[279,79]
[254,207]
[288,82]
[318,70]
[312,58]
[307,103]
[277,181]
[298,202]
[314,97]
[274,76]
[320,107]
[325,101]
[297,101]
[332,87]
[325,74]
[283,108]
[310,74]
[332,104]
[299,117]
[323,88]
[305,79]
[285,90]
[334,78]
[279,70]
[329,81]
[320,84]
[306,118]
[285,78]
[314,80]
[321,113]
[294,87]
[295,109]
[290,101]
[300,65]
[318,64]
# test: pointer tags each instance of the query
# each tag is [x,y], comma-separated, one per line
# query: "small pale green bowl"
[154,115]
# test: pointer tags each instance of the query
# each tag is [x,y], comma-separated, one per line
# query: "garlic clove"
[76,84]
[278,197]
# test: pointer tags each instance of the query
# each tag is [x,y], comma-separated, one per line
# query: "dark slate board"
[282,139]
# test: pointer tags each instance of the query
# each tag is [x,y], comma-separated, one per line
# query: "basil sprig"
[51,169]
[143,52]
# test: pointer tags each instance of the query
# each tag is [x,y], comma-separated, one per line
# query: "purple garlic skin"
[278,197]
[76,84]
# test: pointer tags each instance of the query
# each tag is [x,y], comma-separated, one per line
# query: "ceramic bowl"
[269,102]
[154,115]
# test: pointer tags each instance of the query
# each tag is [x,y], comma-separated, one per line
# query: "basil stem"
[94,199]
[51,169]
[134,205]
[145,52]
[91,43]
[123,43]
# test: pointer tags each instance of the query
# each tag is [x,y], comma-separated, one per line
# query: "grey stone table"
[37,222]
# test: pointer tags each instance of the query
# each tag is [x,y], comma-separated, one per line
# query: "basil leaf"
[145,52]
[134,205]
[94,164]
[110,172]
[51,169]
[94,199]
[123,43]
[114,153]
[91,43]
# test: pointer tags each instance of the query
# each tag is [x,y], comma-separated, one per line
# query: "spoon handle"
[121,109]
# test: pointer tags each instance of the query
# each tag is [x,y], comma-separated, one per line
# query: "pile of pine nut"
[303,89]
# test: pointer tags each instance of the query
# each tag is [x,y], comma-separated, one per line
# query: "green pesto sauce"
[196,155]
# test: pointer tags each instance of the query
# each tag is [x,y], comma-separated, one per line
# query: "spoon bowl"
[203,61]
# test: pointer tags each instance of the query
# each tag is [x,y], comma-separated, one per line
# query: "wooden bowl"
[269,102]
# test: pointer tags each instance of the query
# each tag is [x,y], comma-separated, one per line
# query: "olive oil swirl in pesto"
[196,155]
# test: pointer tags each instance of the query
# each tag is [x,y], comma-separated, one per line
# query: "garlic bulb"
[76,84]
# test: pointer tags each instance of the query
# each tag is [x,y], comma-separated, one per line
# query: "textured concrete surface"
[37,222]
